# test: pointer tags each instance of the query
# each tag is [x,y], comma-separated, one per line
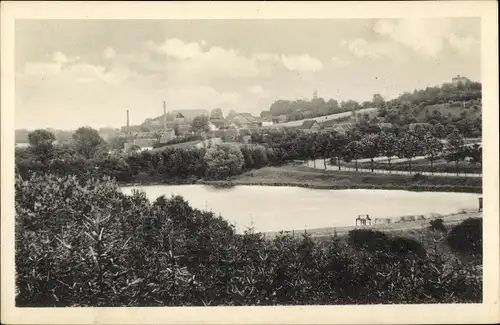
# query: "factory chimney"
[164,116]
[128,126]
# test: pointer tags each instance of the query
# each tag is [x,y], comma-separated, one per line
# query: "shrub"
[85,243]
[368,239]
[467,237]
[437,224]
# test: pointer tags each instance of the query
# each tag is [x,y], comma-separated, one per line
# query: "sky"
[72,73]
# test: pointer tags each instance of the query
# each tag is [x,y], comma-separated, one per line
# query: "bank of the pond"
[399,226]
[301,176]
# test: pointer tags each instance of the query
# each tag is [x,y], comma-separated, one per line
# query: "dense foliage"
[87,158]
[85,243]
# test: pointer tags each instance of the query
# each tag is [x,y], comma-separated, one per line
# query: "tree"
[87,142]
[216,114]
[324,145]
[176,129]
[475,152]
[223,161]
[409,146]
[337,144]
[117,143]
[41,142]
[370,147]
[387,145]
[200,124]
[433,149]
[378,101]
[455,147]
[353,151]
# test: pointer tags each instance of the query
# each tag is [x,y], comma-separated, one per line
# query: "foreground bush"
[467,237]
[87,244]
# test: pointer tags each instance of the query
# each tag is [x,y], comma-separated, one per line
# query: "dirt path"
[395,225]
[320,165]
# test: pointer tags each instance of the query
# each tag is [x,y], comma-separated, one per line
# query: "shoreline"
[230,184]
[448,219]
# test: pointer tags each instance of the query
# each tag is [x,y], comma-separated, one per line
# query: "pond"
[273,208]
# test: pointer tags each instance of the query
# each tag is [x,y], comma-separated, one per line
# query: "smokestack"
[128,126]
[164,116]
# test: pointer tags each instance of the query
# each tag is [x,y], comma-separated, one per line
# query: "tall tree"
[337,145]
[388,145]
[370,147]
[216,114]
[378,101]
[87,142]
[455,150]
[324,144]
[353,151]
[433,149]
[200,124]
[42,144]
[409,146]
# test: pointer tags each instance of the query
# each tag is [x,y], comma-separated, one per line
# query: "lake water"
[271,208]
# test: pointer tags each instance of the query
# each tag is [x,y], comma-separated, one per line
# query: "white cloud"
[198,60]
[41,68]
[191,97]
[362,48]
[257,90]
[425,36]
[179,49]
[303,62]
[60,58]
[109,53]
[266,57]
[339,62]
[464,45]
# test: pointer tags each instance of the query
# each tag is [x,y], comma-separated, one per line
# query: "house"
[231,134]
[246,120]
[279,119]
[266,123]
[212,126]
[144,144]
[179,118]
[420,126]
[208,143]
[218,123]
[385,126]
[310,126]
[167,136]
[459,80]
[342,127]
[184,129]
[190,114]
[244,132]
[247,139]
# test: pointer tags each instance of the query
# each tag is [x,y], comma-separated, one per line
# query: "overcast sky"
[88,72]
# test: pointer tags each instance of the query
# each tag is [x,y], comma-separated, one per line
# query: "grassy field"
[293,175]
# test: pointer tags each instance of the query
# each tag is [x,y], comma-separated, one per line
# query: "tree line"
[401,110]
[86,156]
